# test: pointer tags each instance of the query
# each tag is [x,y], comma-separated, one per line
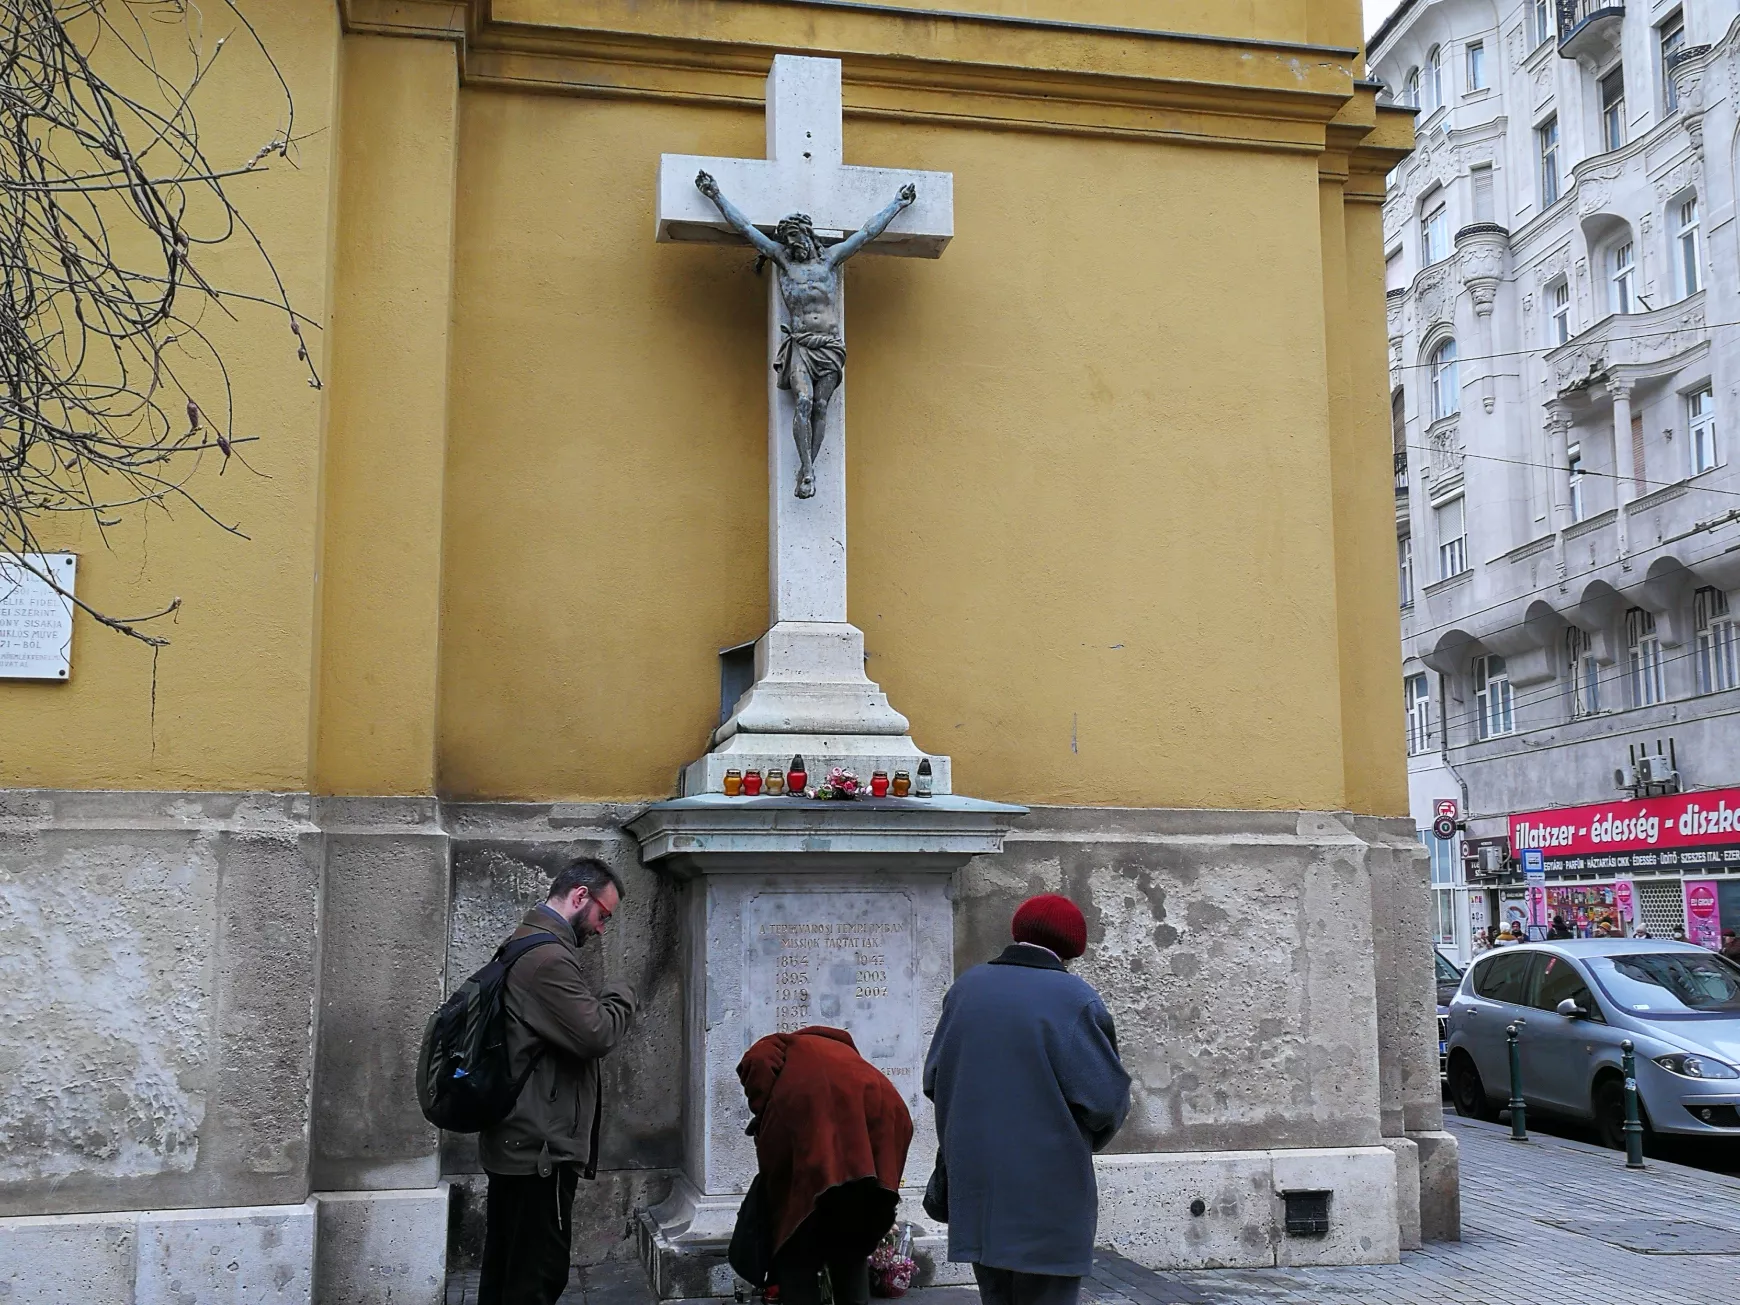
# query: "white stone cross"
[804,172]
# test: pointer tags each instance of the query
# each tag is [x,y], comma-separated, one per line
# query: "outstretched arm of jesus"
[873,228]
[743,226]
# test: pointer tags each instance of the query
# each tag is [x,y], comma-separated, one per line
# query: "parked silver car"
[1573,1003]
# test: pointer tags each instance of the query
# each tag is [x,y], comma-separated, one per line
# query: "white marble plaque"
[35,621]
[840,958]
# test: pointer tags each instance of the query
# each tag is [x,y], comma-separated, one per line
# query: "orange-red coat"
[825,1118]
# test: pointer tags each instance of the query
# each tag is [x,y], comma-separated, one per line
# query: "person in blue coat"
[1027,1084]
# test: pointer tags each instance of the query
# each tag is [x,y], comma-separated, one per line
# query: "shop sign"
[1703,920]
[1699,831]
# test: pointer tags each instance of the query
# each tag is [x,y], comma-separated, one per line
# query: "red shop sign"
[1683,820]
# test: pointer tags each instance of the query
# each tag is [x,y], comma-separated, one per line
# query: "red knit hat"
[1051,921]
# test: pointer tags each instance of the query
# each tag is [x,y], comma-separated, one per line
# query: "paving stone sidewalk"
[1547,1222]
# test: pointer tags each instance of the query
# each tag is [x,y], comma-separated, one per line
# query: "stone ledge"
[262,1254]
[1146,1203]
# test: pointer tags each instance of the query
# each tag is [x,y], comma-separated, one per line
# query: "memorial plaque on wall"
[843,959]
[35,621]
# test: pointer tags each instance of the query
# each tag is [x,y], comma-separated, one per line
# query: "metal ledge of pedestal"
[711,833]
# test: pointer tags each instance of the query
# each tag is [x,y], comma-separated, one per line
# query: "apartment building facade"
[1563,273]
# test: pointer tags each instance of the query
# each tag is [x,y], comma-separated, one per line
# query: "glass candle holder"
[775,785]
[902,783]
[752,783]
[733,783]
[879,784]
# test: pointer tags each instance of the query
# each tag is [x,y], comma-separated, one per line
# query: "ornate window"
[1718,642]
[1494,710]
[1583,673]
[1687,265]
[1452,523]
[1613,109]
[1579,503]
[1540,19]
[1405,569]
[1547,144]
[1643,651]
[1701,421]
[1475,52]
[1434,79]
[1419,707]
[1559,304]
[1670,40]
[1621,274]
[1446,391]
[1434,230]
[1411,89]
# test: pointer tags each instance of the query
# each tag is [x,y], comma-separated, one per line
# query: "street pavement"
[1552,1221]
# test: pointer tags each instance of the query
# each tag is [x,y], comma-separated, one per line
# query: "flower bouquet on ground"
[841,784]
[891,1264]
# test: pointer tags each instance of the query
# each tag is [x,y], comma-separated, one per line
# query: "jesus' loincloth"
[821,356]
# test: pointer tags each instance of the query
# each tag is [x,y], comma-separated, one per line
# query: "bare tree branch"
[111,391]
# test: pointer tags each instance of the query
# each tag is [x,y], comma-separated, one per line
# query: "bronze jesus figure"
[812,356]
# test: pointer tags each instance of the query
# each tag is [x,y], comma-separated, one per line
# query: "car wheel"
[1610,1113]
[1467,1092]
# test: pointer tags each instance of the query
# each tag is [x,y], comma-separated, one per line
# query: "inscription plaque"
[844,959]
[35,621]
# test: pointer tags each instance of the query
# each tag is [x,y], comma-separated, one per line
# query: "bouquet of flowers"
[840,784]
[891,1263]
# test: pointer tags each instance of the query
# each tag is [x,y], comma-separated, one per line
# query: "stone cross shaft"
[804,172]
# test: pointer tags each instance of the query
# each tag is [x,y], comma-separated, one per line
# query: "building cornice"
[926,65]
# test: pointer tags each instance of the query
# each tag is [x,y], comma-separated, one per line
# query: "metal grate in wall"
[1661,906]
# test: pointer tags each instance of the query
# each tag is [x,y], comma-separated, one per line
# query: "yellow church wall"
[1089,476]
[387,428]
[1118,533]
[226,705]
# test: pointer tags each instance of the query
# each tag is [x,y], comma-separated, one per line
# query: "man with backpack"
[556,1032]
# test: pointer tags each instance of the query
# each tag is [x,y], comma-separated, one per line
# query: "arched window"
[1411,89]
[1446,393]
[1434,87]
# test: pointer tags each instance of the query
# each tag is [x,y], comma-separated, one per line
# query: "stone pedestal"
[798,913]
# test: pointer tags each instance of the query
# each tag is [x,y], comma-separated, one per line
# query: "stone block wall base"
[1146,1204]
[1407,1154]
[381,1248]
[336,1248]
[1440,1186]
[260,1255]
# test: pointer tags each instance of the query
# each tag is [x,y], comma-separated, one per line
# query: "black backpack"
[463,1077]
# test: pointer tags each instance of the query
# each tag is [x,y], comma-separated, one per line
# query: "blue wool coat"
[1025,1075]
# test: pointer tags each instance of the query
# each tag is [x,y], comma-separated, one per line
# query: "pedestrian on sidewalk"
[1559,930]
[557,1031]
[1025,1075]
[831,1135]
[1730,945]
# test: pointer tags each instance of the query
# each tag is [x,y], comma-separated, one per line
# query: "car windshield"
[1670,983]
[1447,973]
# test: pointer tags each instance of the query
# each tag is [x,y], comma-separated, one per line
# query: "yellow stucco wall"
[1119,524]
[228,704]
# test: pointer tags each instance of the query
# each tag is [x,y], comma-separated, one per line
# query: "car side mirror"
[1571,1010]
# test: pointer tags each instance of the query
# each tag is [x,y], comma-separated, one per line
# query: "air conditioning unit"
[1491,858]
[1657,770]
[1624,777]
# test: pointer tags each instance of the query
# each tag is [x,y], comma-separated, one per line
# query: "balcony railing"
[1589,27]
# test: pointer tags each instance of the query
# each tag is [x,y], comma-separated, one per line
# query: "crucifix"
[806,211]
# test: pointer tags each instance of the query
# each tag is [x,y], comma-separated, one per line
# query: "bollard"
[1519,1111]
[1633,1124]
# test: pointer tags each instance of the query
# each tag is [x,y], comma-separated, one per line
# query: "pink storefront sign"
[1703,923]
[1622,898]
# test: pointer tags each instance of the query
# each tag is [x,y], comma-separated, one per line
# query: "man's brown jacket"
[551,1010]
